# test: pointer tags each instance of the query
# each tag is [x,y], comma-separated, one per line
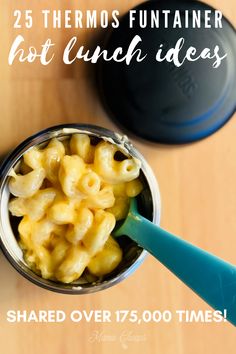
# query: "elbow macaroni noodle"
[70,195]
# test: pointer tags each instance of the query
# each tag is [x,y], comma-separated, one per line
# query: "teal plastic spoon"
[213,279]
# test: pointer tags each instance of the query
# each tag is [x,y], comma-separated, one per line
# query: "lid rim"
[210,108]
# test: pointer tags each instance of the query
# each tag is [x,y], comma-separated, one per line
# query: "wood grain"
[198,190]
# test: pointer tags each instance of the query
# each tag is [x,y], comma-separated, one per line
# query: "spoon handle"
[213,279]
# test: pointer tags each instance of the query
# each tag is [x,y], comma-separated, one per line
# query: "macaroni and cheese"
[69,196]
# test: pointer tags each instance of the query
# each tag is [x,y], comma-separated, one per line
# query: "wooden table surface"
[198,190]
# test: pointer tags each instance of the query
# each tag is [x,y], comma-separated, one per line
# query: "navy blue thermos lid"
[158,100]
